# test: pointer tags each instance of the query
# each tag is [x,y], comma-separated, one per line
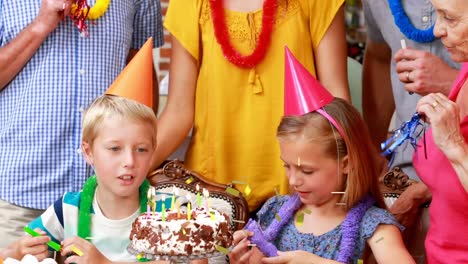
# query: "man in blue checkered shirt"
[49,73]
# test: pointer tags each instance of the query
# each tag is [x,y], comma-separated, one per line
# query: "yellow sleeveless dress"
[238,110]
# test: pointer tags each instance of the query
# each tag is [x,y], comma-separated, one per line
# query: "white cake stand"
[177,259]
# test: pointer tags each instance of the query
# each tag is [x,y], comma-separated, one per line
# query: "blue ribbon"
[407,131]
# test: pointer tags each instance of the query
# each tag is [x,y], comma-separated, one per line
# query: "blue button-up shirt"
[40,110]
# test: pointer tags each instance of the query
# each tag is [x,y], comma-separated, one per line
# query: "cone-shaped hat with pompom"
[136,80]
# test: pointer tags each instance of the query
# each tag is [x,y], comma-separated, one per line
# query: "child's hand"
[242,252]
[81,251]
[35,246]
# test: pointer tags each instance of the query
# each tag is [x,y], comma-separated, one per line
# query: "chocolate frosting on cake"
[178,236]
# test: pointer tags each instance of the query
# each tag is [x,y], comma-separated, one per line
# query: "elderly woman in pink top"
[445,170]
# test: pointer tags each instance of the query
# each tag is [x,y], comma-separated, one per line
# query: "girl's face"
[452,27]
[121,156]
[311,173]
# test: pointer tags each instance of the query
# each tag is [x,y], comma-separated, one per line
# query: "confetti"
[300,219]
[278,218]
[140,257]
[307,211]
[277,193]
[222,249]
[76,250]
[239,182]
[378,240]
[247,190]
[360,261]
[232,191]
[189,180]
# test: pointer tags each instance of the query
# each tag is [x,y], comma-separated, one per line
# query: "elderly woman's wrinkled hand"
[423,72]
[444,117]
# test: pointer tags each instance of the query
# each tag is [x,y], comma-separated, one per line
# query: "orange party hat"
[136,80]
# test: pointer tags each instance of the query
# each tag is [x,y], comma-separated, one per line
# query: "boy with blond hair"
[118,141]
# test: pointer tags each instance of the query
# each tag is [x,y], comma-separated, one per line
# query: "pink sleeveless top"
[447,239]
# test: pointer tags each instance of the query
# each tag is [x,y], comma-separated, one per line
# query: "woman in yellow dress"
[226,80]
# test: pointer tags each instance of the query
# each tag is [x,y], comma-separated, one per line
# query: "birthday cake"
[202,233]
[29,259]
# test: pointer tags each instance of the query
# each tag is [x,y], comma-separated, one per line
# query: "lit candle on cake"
[178,207]
[189,207]
[174,190]
[148,203]
[163,210]
[198,196]
[206,195]
[153,199]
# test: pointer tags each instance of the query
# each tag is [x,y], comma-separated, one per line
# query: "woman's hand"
[444,117]
[423,72]
[35,246]
[82,252]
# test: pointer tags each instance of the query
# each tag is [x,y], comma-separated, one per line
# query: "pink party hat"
[302,92]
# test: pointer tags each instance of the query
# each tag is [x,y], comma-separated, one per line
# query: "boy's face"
[121,156]
[310,172]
